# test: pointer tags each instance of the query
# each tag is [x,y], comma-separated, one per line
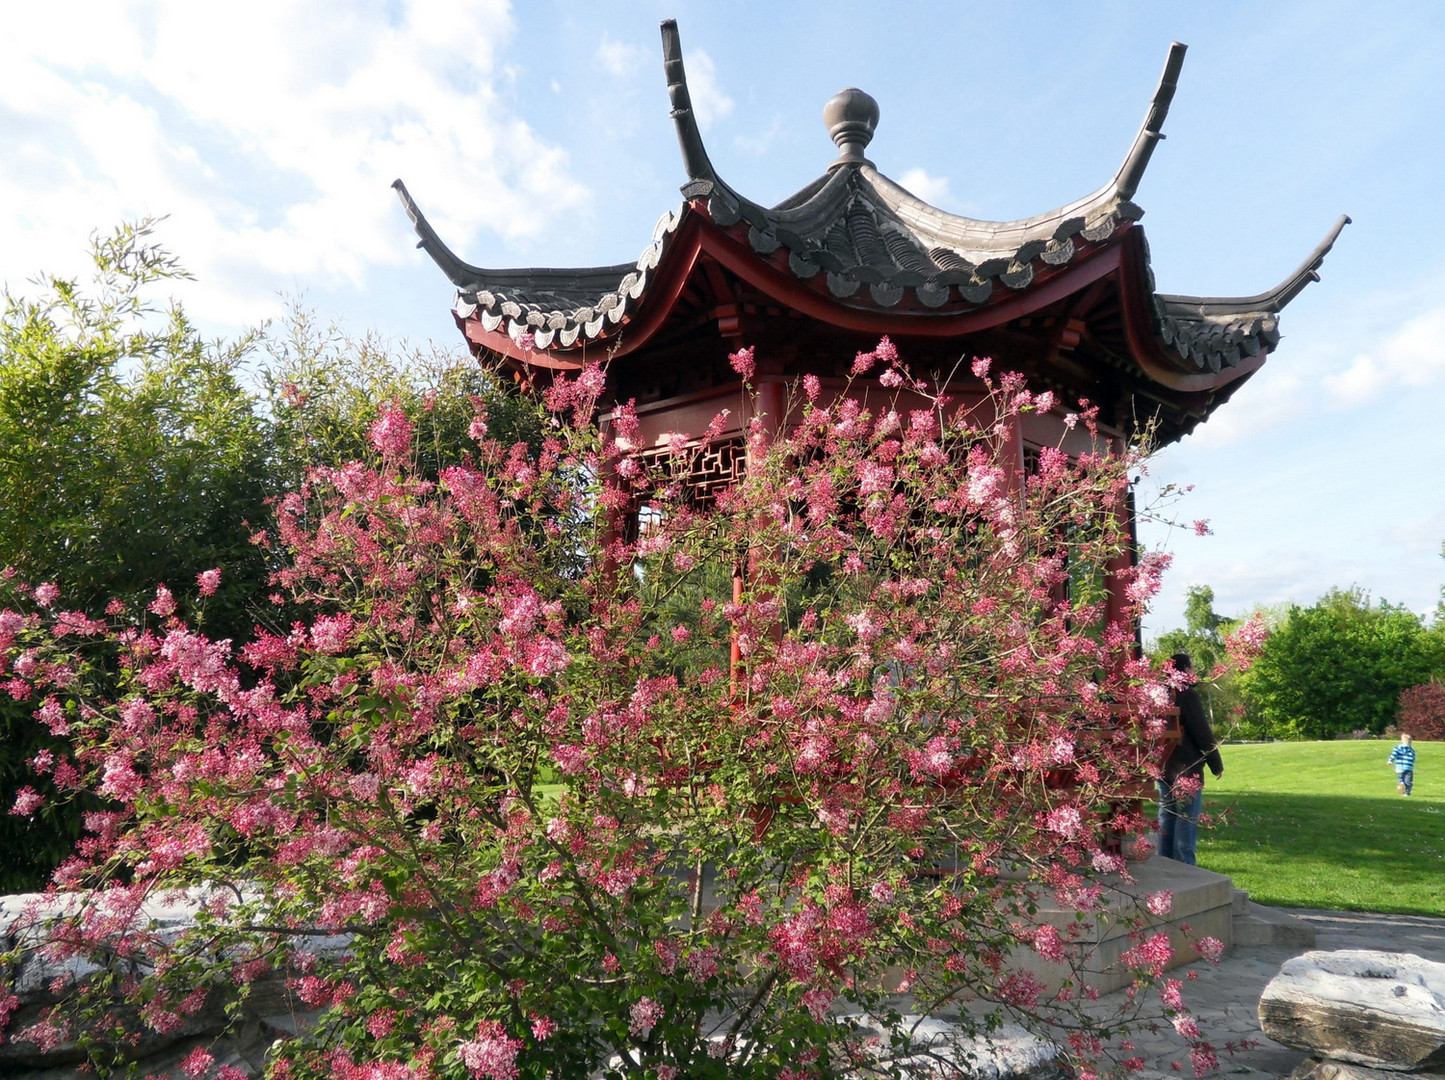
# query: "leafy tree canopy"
[1340,665]
[130,452]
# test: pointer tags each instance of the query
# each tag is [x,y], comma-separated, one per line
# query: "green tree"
[1202,637]
[130,454]
[324,389]
[130,451]
[1203,634]
[1339,666]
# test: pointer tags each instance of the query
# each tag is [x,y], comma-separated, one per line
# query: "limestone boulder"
[1324,1069]
[1379,1010]
[933,1048]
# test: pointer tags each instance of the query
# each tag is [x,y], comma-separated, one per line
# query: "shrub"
[132,455]
[1339,667]
[1422,711]
[558,830]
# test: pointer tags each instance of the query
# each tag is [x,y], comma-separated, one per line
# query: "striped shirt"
[1403,758]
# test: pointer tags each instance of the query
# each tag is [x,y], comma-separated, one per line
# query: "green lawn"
[1319,824]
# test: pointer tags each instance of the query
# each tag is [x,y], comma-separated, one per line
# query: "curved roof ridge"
[703,178]
[689,136]
[1151,131]
[1271,300]
[468,278]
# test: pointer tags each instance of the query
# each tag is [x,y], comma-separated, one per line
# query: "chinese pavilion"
[1066,297]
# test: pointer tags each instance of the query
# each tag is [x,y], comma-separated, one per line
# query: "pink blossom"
[570,759]
[981,365]
[1160,903]
[1211,948]
[1171,994]
[365,786]
[477,429]
[644,1016]
[381,1024]
[164,604]
[331,634]
[46,593]
[491,1055]
[1152,955]
[1246,644]
[545,657]
[197,1063]
[1203,1058]
[1048,944]
[543,1028]
[1201,528]
[891,379]
[52,715]
[523,613]
[812,387]
[742,362]
[702,963]
[390,434]
[209,581]
[1107,863]
[1065,820]
[119,779]
[27,801]
[817,1001]
[669,951]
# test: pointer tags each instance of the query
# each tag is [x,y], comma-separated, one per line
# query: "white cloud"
[931,189]
[758,143]
[1271,399]
[709,103]
[270,138]
[1413,356]
[619,58]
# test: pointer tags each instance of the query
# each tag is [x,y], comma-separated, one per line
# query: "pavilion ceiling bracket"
[1126,180]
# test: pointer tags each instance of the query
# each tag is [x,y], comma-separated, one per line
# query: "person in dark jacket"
[1181,791]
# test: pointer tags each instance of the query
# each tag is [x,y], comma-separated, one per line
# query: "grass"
[1320,825]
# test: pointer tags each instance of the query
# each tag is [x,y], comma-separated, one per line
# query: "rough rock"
[270,1012]
[1376,1009]
[1322,1069]
[937,1047]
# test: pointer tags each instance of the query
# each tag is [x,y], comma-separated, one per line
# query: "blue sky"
[537,134]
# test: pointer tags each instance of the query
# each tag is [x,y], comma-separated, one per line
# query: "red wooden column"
[768,407]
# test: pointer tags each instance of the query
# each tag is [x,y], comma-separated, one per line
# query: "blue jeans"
[1179,823]
[1407,780]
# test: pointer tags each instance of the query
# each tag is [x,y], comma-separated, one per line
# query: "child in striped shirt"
[1403,758]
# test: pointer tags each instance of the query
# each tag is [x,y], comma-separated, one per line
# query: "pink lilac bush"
[503,749]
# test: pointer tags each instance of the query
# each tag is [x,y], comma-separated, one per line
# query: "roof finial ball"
[851,116]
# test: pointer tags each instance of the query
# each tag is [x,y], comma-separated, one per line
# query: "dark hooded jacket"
[1197,744]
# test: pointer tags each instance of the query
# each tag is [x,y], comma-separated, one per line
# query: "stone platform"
[1204,905]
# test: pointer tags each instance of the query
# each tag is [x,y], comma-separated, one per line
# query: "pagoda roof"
[870,254]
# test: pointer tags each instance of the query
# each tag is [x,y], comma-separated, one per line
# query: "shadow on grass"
[1342,852]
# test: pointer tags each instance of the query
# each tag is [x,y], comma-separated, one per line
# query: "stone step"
[1260,925]
[1240,902]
